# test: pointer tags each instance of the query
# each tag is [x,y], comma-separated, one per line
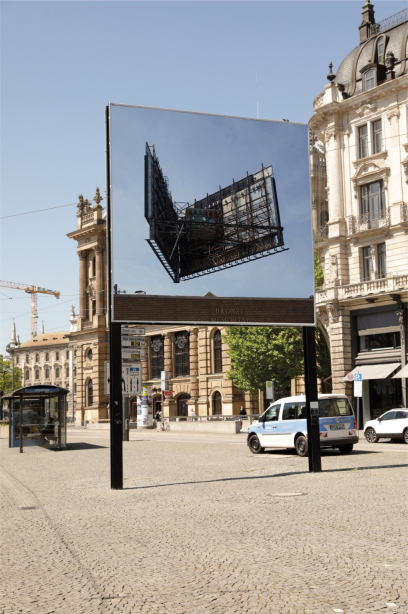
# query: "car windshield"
[329,408]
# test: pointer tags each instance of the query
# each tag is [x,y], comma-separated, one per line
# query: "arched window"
[47,356]
[217,404]
[181,341]
[89,390]
[89,355]
[56,355]
[380,50]
[27,375]
[217,341]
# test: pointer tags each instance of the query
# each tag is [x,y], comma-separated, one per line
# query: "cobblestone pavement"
[199,528]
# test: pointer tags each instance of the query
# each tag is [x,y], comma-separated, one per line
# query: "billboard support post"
[312,406]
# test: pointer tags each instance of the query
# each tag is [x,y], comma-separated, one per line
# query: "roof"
[396,40]
[45,340]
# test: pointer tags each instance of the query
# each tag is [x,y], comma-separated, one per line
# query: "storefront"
[379,351]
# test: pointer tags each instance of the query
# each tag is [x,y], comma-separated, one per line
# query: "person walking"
[158,419]
[242,411]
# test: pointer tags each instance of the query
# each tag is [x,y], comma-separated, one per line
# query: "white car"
[391,425]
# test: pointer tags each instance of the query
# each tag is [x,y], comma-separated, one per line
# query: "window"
[37,358]
[75,388]
[93,267]
[27,375]
[272,414]
[369,80]
[401,415]
[89,356]
[90,393]
[367,264]
[156,356]
[57,372]
[37,374]
[334,407]
[377,136]
[380,341]
[66,371]
[93,308]
[67,355]
[27,359]
[217,352]
[56,355]
[363,141]
[47,356]
[380,50]
[390,415]
[372,200]
[381,254]
[17,359]
[181,341]
[293,411]
[47,373]
[216,404]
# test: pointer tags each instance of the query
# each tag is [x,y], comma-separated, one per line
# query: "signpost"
[270,391]
[357,378]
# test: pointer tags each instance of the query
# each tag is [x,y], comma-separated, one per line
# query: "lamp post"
[10,349]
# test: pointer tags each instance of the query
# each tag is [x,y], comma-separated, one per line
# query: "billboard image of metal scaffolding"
[219,203]
[236,224]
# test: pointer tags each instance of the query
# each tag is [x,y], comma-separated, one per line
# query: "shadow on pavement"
[265,477]
[81,445]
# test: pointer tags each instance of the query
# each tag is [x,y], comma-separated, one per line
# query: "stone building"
[46,359]
[196,357]
[359,182]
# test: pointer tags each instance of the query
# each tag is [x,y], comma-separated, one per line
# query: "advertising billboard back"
[210,219]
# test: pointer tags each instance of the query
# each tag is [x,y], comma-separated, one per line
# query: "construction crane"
[33,290]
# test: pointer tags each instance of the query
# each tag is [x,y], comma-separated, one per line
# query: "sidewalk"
[202,527]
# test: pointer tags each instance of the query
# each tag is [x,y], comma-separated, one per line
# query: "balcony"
[363,289]
[368,221]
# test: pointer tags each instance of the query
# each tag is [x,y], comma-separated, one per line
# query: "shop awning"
[403,373]
[375,371]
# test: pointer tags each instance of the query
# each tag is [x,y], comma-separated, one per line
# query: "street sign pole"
[312,404]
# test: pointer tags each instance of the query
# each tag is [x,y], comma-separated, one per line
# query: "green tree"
[6,376]
[318,272]
[259,354]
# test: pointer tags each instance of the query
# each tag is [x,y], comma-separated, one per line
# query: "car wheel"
[371,435]
[346,449]
[405,435]
[301,446]
[255,445]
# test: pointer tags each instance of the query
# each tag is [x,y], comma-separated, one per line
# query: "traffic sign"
[131,378]
[134,342]
[133,354]
[269,390]
[358,377]
[128,330]
[350,377]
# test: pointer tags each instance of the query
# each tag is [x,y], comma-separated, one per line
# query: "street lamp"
[10,349]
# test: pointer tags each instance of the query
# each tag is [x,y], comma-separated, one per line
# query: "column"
[169,406]
[193,370]
[82,255]
[98,249]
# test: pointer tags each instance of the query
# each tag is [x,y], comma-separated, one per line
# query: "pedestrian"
[192,413]
[158,419]
[242,411]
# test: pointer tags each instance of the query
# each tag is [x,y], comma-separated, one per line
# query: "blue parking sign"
[358,377]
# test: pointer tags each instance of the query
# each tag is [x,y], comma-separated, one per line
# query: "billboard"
[209,219]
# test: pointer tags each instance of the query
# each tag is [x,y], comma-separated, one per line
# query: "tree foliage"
[318,272]
[260,354]
[6,376]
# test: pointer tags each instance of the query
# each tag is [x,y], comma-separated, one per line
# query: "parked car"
[283,425]
[391,425]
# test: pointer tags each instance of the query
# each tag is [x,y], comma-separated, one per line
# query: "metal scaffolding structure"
[33,290]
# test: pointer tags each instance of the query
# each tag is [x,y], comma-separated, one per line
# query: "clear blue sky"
[62,62]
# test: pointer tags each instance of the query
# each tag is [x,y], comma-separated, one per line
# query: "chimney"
[368,21]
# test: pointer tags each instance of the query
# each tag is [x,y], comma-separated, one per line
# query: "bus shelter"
[38,417]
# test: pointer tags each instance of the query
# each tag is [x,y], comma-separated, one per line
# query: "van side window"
[272,414]
[294,411]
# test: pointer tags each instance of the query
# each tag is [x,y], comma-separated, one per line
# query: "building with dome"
[359,159]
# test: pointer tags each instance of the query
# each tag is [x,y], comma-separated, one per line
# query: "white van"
[283,425]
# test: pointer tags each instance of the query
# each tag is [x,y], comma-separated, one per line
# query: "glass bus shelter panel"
[63,421]
[50,429]
[15,422]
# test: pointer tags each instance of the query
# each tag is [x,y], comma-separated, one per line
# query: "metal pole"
[312,406]
[115,354]
[21,423]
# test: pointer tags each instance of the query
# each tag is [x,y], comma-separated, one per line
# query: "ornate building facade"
[360,186]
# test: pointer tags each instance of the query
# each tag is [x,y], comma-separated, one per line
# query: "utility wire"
[29,312]
[37,211]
